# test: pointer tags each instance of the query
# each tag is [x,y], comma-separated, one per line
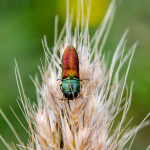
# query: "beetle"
[70,86]
[70,73]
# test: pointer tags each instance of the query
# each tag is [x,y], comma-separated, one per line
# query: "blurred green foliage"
[24,23]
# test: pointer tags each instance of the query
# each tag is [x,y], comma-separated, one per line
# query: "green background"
[24,23]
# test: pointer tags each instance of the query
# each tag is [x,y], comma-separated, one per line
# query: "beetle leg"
[63,95]
[84,79]
[59,79]
[69,105]
[63,98]
[80,95]
[60,65]
[61,87]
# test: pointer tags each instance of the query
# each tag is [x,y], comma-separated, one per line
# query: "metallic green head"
[70,87]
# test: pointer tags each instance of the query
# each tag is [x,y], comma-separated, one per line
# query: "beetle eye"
[75,94]
[66,94]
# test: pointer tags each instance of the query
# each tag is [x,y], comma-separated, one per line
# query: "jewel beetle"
[70,86]
[70,73]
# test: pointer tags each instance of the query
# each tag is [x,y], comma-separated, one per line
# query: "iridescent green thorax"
[71,87]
